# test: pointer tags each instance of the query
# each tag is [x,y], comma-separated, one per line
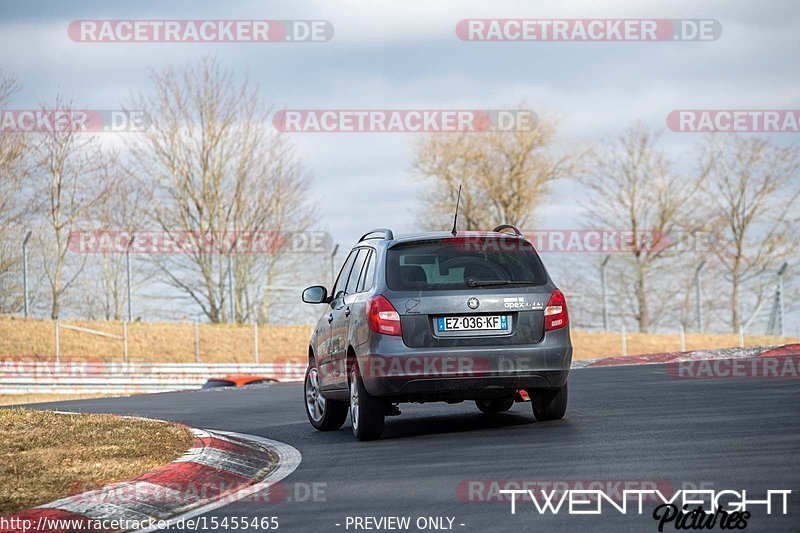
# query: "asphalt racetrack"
[635,424]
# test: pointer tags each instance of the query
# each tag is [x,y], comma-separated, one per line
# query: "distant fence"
[90,377]
[152,342]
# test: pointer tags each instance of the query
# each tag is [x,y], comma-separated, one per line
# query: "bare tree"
[13,171]
[752,188]
[634,190]
[215,167]
[71,170]
[104,281]
[504,175]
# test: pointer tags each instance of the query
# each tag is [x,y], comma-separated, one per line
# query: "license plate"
[472,323]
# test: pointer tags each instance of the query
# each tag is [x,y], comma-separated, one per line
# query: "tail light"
[383,317]
[555,314]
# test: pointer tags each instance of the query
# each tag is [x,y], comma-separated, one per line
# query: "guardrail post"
[255,340]
[58,347]
[624,335]
[196,342]
[125,341]
[683,338]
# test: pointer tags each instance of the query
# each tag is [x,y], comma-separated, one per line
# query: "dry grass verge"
[163,342]
[592,344]
[45,456]
[20,399]
[159,342]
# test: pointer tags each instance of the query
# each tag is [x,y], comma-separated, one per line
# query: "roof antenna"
[455,218]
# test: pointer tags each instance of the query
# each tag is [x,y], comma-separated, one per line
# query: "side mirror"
[315,295]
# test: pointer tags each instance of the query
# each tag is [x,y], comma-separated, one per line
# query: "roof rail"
[501,227]
[387,235]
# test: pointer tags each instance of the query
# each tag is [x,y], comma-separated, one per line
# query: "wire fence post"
[683,338]
[58,347]
[125,341]
[781,309]
[25,274]
[230,289]
[698,299]
[624,335]
[196,342]
[255,340]
[128,275]
[333,265]
[604,290]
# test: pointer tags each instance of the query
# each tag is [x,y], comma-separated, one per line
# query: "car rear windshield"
[212,383]
[463,263]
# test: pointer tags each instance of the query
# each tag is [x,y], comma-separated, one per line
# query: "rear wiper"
[486,283]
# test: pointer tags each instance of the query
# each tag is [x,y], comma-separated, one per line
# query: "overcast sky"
[407,55]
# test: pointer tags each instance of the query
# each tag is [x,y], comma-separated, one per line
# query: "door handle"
[330,318]
[347,311]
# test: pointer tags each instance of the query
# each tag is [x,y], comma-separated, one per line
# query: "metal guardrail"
[89,377]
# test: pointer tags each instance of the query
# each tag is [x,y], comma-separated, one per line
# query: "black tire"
[550,404]
[366,411]
[332,414]
[497,405]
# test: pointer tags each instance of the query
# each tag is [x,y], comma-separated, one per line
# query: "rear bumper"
[390,369]
[461,388]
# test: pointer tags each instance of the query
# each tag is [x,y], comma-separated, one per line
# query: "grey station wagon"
[437,317]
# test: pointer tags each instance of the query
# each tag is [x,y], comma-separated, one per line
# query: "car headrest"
[408,276]
[478,272]
[413,274]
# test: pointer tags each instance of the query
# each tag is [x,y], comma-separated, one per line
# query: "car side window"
[355,273]
[344,274]
[367,274]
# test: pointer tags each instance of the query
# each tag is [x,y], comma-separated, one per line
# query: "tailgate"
[419,315]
